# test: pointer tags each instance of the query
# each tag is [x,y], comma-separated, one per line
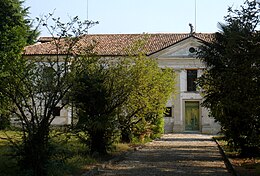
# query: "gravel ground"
[173,154]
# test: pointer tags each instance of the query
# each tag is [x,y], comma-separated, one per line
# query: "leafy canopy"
[232,79]
[114,95]
[15,34]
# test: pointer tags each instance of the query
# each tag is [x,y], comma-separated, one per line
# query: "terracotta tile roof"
[115,44]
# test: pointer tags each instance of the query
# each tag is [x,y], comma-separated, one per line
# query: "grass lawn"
[69,155]
[244,166]
[8,164]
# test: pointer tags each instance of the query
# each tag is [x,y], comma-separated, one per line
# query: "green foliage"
[15,33]
[35,87]
[146,103]
[67,153]
[8,163]
[4,121]
[101,89]
[13,28]
[231,82]
[116,96]
[158,127]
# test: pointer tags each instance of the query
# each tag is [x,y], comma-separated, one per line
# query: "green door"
[192,115]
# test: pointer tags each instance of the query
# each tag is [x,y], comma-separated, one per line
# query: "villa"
[173,50]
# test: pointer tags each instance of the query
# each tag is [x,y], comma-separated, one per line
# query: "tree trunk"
[125,135]
[35,153]
[98,142]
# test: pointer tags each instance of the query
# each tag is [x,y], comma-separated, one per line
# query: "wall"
[180,59]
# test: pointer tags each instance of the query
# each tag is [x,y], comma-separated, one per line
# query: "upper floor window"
[191,78]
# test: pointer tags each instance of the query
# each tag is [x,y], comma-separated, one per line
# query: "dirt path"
[173,154]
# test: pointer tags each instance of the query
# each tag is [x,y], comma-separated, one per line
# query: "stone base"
[178,128]
[171,127]
[168,124]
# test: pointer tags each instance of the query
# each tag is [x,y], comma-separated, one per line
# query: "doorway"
[192,120]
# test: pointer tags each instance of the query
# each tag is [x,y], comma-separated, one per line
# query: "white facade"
[186,113]
[179,58]
[64,118]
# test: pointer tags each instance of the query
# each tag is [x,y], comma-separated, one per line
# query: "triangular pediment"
[184,49]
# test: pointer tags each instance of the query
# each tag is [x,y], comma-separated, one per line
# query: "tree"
[231,81]
[15,33]
[37,86]
[114,94]
[102,88]
[144,109]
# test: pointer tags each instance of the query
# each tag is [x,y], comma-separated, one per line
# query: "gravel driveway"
[173,154]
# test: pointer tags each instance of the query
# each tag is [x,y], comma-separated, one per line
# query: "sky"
[138,16]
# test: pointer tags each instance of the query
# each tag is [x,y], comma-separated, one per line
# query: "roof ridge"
[177,33]
[116,44]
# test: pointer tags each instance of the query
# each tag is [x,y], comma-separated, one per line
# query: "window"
[48,75]
[168,112]
[191,78]
[192,50]
[56,111]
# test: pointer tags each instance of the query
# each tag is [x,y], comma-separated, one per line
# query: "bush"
[4,122]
